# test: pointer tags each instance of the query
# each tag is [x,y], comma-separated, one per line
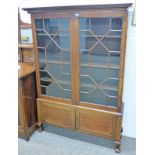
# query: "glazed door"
[80,57]
[99,38]
[54,63]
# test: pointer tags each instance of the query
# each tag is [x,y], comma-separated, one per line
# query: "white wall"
[129,92]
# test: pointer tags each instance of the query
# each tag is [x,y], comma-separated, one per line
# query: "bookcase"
[79,59]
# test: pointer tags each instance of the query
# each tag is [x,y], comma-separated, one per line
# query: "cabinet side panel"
[122,60]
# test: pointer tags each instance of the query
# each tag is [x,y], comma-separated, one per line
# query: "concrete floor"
[58,141]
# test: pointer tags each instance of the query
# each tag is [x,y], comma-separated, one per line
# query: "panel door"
[53,52]
[100,58]
[21,116]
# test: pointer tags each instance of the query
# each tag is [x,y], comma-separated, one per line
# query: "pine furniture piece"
[27,108]
[79,58]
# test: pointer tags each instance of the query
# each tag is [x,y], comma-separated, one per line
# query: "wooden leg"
[26,138]
[121,129]
[40,127]
[117,147]
[39,124]
[121,132]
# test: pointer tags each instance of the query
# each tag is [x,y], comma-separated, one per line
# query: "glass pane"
[113,44]
[66,56]
[116,23]
[115,33]
[54,69]
[89,44]
[43,90]
[53,43]
[84,23]
[114,58]
[99,26]
[41,54]
[98,72]
[64,23]
[100,41]
[38,23]
[51,25]
[53,52]
[42,39]
[42,65]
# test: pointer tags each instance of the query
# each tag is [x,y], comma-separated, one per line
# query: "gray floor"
[57,141]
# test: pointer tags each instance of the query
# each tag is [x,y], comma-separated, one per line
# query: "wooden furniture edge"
[25,70]
[27,46]
[76,106]
[73,7]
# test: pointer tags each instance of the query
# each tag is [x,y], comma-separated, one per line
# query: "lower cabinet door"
[96,122]
[58,114]
[92,121]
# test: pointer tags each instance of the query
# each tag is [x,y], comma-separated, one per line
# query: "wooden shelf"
[106,87]
[65,35]
[55,62]
[106,36]
[83,64]
[21,45]
[100,66]
[51,80]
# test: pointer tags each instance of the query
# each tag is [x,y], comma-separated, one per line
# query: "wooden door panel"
[95,122]
[59,115]
[29,99]
[21,125]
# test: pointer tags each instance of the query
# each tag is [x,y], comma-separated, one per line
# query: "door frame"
[93,14]
[59,14]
